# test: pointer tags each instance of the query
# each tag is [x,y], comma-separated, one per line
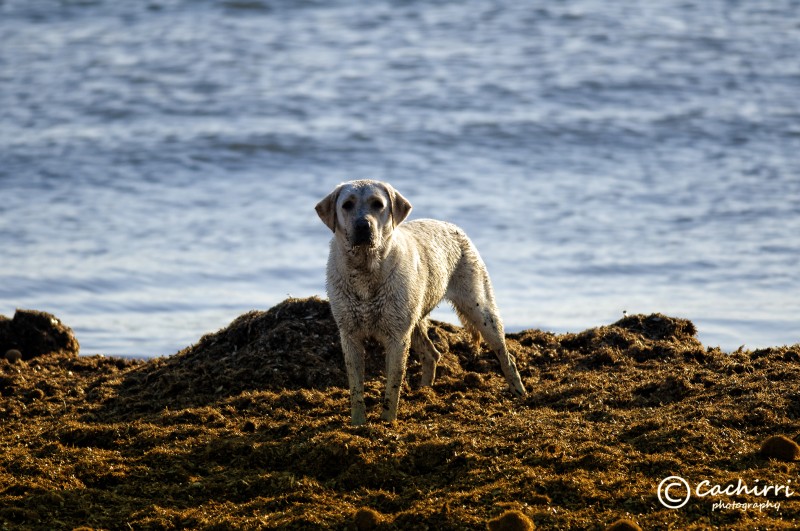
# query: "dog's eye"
[377,205]
[348,205]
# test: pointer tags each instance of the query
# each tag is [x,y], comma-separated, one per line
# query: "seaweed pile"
[249,428]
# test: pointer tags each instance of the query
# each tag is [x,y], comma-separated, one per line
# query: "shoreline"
[249,428]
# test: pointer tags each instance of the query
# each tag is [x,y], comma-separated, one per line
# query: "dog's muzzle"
[362,232]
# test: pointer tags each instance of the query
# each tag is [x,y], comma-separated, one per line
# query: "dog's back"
[448,261]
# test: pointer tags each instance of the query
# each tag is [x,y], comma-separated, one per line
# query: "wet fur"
[384,288]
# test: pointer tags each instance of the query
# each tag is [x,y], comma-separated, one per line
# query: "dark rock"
[34,333]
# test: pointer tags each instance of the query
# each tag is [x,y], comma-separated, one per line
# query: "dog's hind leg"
[471,294]
[482,316]
[426,350]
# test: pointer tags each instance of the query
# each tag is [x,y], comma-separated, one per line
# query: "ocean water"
[160,160]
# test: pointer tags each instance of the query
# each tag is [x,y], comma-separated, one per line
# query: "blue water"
[160,160]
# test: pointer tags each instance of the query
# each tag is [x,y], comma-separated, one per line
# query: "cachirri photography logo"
[674,492]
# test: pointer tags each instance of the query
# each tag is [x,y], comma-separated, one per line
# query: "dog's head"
[364,212]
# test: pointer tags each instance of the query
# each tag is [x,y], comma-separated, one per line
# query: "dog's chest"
[367,295]
[368,301]
[366,292]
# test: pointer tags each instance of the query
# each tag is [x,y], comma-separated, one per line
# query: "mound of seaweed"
[636,337]
[293,345]
[249,429]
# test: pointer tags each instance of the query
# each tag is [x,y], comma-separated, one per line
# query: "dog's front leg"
[396,357]
[354,363]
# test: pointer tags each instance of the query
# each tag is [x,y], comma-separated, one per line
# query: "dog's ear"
[400,205]
[326,209]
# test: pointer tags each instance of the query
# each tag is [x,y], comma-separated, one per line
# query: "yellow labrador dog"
[384,277]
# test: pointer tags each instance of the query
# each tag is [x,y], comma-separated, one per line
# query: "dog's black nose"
[362,232]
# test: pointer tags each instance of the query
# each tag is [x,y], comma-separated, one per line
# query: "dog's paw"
[518,390]
[388,416]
